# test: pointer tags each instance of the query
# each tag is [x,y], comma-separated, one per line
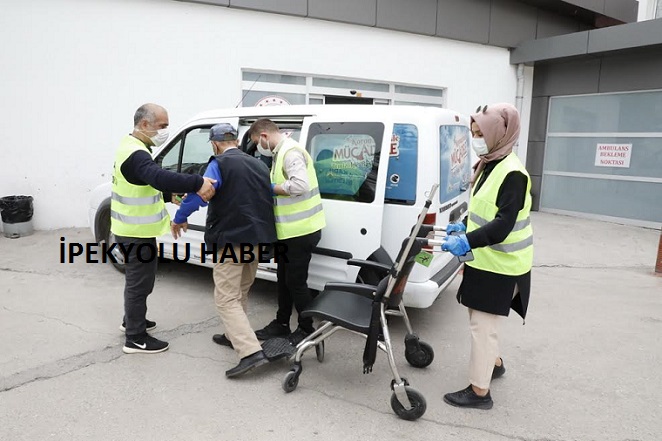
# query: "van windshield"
[346,159]
[455,164]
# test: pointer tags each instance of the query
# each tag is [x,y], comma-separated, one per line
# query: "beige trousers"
[233,281]
[484,347]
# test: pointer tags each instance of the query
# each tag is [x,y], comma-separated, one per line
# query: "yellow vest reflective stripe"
[135,210]
[513,256]
[302,214]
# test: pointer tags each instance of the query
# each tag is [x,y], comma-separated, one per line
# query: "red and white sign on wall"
[613,155]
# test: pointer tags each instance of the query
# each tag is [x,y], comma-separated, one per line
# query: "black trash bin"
[16,213]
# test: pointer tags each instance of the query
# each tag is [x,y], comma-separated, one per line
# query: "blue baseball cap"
[223,132]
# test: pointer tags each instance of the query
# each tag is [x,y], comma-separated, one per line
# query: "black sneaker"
[150,325]
[298,335]
[498,370]
[144,344]
[468,398]
[221,339]
[273,329]
[248,363]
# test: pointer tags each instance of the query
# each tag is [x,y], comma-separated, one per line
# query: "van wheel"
[108,237]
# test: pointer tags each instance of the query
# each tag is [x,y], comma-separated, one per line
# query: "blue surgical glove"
[456,227]
[457,245]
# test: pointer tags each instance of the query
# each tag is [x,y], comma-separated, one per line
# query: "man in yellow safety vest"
[138,215]
[299,221]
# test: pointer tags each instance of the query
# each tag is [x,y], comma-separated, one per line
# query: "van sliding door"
[351,171]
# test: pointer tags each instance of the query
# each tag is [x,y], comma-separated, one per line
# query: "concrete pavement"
[584,367]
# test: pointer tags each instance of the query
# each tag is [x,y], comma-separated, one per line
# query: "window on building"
[269,89]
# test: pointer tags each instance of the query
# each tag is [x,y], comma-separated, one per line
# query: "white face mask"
[160,137]
[264,152]
[479,146]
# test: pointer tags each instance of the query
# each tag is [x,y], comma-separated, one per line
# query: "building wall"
[74,72]
[633,71]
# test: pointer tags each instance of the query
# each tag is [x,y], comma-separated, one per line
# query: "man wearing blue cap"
[240,213]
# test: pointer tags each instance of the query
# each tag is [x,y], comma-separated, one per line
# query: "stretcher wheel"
[417,401]
[403,379]
[291,381]
[319,351]
[422,357]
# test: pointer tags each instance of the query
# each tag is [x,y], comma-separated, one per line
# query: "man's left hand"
[207,190]
[176,229]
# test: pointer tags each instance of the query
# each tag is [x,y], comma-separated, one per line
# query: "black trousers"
[140,273]
[293,278]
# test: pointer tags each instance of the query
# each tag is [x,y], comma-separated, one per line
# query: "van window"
[455,167]
[402,165]
[197,150]
[169,158]
[346,159]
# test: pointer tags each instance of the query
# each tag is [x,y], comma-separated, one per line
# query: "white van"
[374,166]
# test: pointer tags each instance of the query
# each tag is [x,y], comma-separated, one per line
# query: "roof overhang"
[641,36]
[594,13]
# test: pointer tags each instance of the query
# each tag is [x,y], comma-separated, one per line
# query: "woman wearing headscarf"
[498,231]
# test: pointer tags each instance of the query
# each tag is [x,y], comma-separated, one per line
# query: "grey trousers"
[139,276]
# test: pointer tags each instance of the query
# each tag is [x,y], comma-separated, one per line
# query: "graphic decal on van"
[342,162]
[402,164]
[455,167]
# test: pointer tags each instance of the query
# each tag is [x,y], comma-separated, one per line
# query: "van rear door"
[351,161]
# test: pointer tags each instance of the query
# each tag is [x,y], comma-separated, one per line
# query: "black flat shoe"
[221,339]
[468,398]
[498,370]
[248,363]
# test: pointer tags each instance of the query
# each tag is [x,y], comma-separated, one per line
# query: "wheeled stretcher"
[363,310]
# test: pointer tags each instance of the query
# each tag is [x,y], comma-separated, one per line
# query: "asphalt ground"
[585,366]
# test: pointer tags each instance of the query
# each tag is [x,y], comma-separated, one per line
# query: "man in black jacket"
[240,217]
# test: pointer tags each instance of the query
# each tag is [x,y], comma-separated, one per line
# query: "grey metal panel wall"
[512,23]
[640,71]
[572,77]
[417,16]
[535,154]
[504,23]
[466,20]
[624,10]
[536,183]
[551,25]
[591,5]
[538,120]
[647,34]
[554,47]
[290,7]
[212,2]
[361,12]
[625,36]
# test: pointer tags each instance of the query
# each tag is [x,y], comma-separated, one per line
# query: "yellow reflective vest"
[135,210]
[302,214]
[513,256]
